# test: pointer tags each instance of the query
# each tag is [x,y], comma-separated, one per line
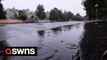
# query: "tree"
[22,16]
[58,15]
[90,8]
[67,16]
[96,9]
[54,14]
[40,12]
[20,12]
[70,15]
[2,13]
[78,17]
[102,11]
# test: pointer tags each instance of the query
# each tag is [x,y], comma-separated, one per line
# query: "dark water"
[58,43]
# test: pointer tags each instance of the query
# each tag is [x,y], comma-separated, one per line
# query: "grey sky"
[69,5]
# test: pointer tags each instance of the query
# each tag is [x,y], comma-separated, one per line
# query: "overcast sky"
[69,5]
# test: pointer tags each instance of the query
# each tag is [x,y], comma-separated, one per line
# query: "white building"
[11,13]
[14,13]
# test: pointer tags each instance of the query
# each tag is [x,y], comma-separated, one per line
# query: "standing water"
[55,43]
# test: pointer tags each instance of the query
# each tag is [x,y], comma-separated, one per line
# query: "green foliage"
[54,14]
[70,15]
[22,16]
[90,8]
[40,12]
[58,15]
[103,9]
[96,12]
[78,17]
[21,12]
[67,15]
[2,13]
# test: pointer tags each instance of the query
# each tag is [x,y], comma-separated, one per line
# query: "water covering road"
[55,41]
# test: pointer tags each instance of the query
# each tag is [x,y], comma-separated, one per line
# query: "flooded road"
[54,41]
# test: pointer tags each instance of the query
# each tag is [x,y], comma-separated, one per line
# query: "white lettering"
[14,51]
[32,51]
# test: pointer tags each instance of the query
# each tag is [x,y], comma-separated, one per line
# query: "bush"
[22,16]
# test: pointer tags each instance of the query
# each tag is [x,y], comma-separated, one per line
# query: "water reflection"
[41,33]
[59,30]
[93,44]
[77,25]
[56,30]
[67,27]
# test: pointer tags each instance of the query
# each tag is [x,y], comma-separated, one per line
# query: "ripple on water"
[46,53]
[71,46]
